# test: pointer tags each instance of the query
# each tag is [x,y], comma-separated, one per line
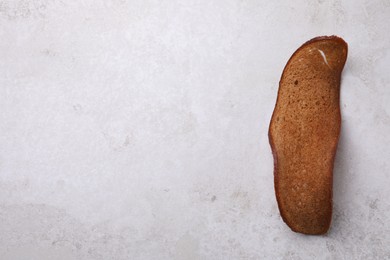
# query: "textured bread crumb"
[304,132]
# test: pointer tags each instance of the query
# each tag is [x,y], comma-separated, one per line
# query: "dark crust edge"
[274,152]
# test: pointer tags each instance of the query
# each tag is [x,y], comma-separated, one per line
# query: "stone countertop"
[138,129]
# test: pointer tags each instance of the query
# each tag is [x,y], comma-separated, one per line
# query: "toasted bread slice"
[304,133]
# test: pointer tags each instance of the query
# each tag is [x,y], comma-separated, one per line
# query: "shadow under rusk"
[340,179]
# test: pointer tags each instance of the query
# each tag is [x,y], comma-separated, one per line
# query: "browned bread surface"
[304,133]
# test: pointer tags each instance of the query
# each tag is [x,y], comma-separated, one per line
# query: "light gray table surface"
[138,129]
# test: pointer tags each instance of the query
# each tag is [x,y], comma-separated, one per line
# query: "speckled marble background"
[138,129]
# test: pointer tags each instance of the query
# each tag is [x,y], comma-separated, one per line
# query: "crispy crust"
[334,148]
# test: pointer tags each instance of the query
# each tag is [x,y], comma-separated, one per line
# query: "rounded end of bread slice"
[304,132]
[332,49]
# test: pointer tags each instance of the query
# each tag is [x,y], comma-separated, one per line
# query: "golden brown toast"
[304,133]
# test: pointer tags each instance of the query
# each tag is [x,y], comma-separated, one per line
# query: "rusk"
[304,132]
